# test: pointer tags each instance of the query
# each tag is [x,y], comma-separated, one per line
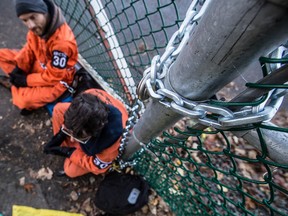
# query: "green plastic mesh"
[119,38]
[196,172]
[215,173]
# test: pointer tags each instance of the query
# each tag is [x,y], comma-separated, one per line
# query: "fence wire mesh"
[119,38]
[197,172]
[214,173]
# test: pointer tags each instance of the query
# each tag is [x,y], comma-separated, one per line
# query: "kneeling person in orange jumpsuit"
[48,57]
[87,132]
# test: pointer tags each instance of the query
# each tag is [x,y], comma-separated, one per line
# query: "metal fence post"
[229,35]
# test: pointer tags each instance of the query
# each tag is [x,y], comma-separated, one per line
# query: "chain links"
[152,85]
[69,88]
[134,114]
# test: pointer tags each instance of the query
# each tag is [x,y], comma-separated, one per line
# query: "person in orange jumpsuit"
[48,57]
[87,132]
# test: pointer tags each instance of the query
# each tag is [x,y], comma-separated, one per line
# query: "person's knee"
[70,173]
[72,170]
[22,103]
[58,110]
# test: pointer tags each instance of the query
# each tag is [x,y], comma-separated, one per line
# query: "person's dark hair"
[87,113]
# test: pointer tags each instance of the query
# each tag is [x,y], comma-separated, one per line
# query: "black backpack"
[81,82]
[121,194]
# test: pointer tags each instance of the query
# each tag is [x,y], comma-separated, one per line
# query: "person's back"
[88,132]
[48,57]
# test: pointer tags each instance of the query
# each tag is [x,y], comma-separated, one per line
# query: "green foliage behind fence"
[197,172]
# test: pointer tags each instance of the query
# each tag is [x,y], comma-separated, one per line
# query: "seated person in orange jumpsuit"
[48,57]
[87,132]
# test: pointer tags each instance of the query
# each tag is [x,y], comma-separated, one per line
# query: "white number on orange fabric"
[59,59]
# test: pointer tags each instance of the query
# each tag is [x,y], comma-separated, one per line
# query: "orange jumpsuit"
[46,62]
[79,162]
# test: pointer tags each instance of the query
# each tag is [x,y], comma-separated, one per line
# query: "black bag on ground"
[121,194]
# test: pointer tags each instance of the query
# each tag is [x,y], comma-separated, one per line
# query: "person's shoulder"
[63,37]
[64,32]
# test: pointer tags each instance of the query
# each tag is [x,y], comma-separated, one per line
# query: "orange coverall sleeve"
[25,58]
[97,164]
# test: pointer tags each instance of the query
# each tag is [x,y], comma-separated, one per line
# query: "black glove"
[18,71]
[15,73]
[56,140]
[18,80]
[61,151]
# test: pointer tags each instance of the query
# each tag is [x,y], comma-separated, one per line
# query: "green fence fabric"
[215,173]
[141,29]
[196,172]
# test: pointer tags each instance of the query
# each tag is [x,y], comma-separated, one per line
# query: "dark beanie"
[29,6]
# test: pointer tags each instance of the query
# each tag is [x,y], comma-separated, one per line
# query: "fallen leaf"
[87,205]
[235,139]
[153,210]
[74,196]
[219,175]
[250,204]
[145,209]
[241,152]
[84,189]
[28,187]
[252,154]
[155,202]
[48,123]
[92,180]
[44,173]
[22,181]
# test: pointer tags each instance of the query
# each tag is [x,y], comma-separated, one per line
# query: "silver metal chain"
[134,114]
[152,85]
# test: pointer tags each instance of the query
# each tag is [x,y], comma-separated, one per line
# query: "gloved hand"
[61,151]
[56,140]
[18,71]
[15,73]
[18,80]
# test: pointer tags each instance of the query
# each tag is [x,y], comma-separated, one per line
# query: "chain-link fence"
[119,38]
[212,171]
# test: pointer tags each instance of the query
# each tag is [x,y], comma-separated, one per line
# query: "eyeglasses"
[80,140]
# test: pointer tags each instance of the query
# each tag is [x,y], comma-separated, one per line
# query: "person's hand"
[18,77]
[56,140]
[18,80]
[18,71]
[61,151]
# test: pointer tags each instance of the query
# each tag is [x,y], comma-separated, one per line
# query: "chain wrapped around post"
[203,112]
[134,114]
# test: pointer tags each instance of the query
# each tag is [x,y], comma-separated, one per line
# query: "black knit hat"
[29,6]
